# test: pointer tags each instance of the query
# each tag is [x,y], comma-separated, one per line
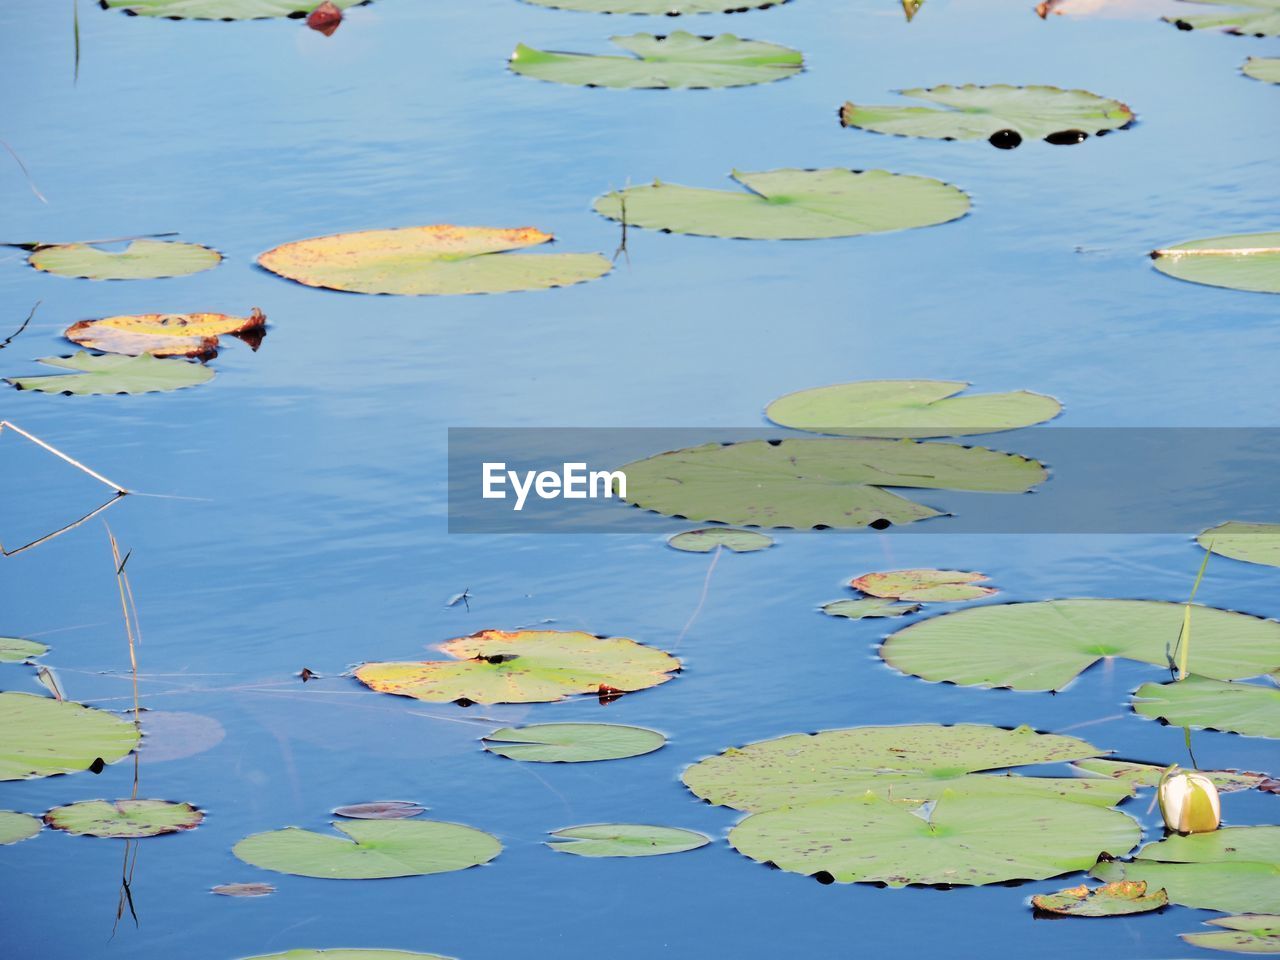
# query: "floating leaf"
[868,607]
[244,889]
[176,735]
[1248,933]
[222,9]
[911,764]
[791,205]
[678,60]
[163,334]
[141,260]
[111,374]
[965,841]
[572,742]
[40,737]
[1046,645]
[17,826]
[376,848]
[709,538]
[819,482]
[381,810]
[1258,18]
[349,954]
[440,259]
[1245,708]
[1266,69]
[527,666]
[625,840]
[124,818]
[1148,775]
[1243,261]
[1111,900]
[14,650]
[1250,542]
[909,408]
[1003,114]
[667,8]
[925,586]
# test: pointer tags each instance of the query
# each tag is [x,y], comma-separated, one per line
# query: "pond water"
[303,522]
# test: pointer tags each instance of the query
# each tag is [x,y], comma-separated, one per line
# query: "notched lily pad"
[1243,261]
[124,818]
[1249,933]
[140,260]
[16,826]
[107,374]
[15,649]
[1250,542]
[709,538]
[381,810]
[166,334]
[1250,709]
[223,9]
[1117,899]
[1257,18]
[868,607]
[625,840]
[925,586]
[573,742]
[1266,69]
[41,737]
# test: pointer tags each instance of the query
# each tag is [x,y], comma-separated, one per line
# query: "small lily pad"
[15,650]
[625,840]
[41,737]
[1250,542]
[573,742]
[1266,69]
[112,374]
[925,586]
[868,607]
[1248,933]
[17,826]
[1117,899]
[1148,775]
[381,810]
[349,954]
[709,538]
[1244,261]
[1256,18]
[141,260]
[1250,709]
[244,889]
[163,334]
[124,818]
[222,9]
[657,8]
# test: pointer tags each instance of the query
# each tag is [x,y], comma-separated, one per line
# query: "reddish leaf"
[325,18]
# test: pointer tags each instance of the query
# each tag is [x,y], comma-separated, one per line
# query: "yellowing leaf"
[163,334]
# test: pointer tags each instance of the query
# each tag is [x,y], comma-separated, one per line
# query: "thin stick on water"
[126,601]
[62,456]
[30,183]
[1182,649]
[706,586]
[9,339]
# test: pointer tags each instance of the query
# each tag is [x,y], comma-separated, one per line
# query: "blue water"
[314,533]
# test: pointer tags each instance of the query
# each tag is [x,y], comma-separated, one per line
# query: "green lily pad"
[111,374]
[1248,933]
[910,764]
[1148,775]
[657,8]
[41,737]
[678,60]
[572,742]
[709,538]
[926,586]
[1243,261]
[1257,18]
[625,840]
[141,260]
[124,818]
[14,650]
[791,205]
[964,841]
[527,666]
[819,482]
[868,607]
[349,954]
[1235,869]
[1111,900]
[909,408]
[1252,710]
[374,849]
[17,826]
[1250,542]
[1047,644]
[1003,114]
[1266,69]
[222,9]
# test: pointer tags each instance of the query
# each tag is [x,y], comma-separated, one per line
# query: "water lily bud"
[1189,802]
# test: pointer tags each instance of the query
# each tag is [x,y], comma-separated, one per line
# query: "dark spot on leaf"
[1005,139]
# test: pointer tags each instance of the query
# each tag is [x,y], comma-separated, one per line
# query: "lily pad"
[678,60]
[625,840]
[374,849]
[925,586]
[657,8]
[868,607]
[112,374]
[222,9]
[124,818]
[349,954]
[573,742]
[1266,69]
[1148,775]
[818,482]
[41,737]
[15,650]
[1257,18]
[381,810]
[140,260]
[1110,900]
[1003,114]
[439,259]
[1047,644]
[910,764]
[527,666]
[791,205]
[17,826]
[1248,933]
[244,889]
[1245,708]
[1250,542]
[1243,261]
[162,334]
[909,408]
[964,841]
[709,538]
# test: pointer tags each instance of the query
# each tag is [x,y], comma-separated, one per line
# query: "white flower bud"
[1189,802]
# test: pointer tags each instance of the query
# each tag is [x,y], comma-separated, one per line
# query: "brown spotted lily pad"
[923,585]
[244,889]
[124,818]
[381,810]
[1257,933]
[166,334]
[1111,900]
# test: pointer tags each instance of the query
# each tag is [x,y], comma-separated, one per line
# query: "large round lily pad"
[909,408]
[375,849]
[711,538]
[1257,18]
[1251,709]
[163,334]
[1254,933]
[1046,645]
[791,205]
[527,666]
[925,586]
[964,841]
[1118,899]
[439,259]
[15,650]
[573,742]
[1244,261]
[805,483]
[1250,542]
[658,8]
[625,840]
[140,260]
[677,60]
[1266,69]
[1003,114]
[112,374]
[40,737]
[17,826]
[222,9]
[124,818]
